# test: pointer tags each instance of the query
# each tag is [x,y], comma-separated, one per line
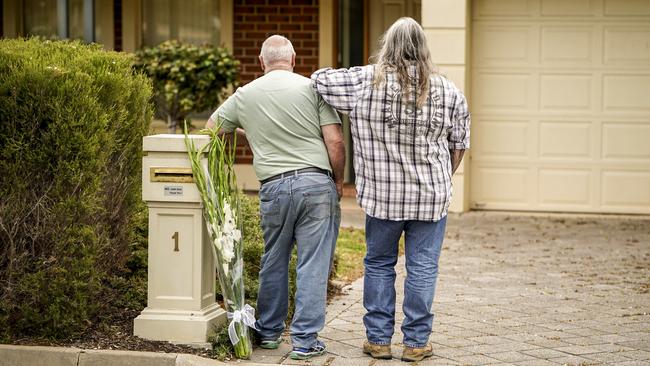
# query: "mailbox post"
[181,305]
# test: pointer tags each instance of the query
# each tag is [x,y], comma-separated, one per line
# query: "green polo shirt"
[282,116]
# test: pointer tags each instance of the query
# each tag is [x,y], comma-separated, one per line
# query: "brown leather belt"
[296,172]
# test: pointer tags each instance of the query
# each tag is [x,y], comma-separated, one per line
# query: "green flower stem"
[243,348]
[218,189]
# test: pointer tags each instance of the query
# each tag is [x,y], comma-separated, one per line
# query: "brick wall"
[255,20]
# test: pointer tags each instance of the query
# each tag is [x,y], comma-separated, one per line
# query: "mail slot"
[172,175]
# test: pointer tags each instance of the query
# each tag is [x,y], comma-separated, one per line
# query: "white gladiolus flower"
[236,235]
[228,250]
[217,241]
[230,234]
[229,220]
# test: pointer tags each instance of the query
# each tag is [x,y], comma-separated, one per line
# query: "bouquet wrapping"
[217,185]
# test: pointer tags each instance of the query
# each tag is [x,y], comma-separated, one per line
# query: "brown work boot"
[377,351]
[412,354]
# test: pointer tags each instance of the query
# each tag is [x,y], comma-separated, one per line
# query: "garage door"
[561,105]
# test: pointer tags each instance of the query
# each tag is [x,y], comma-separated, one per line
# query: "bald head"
[277,53]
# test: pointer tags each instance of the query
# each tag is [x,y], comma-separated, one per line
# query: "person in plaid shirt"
[410,128]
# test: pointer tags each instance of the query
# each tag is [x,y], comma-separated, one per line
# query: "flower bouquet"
[217,185]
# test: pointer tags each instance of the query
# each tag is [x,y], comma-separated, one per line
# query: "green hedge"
[72,117]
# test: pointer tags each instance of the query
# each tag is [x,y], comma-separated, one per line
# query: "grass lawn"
[350,250]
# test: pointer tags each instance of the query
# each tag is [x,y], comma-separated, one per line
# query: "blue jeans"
[422,245]
[304,209]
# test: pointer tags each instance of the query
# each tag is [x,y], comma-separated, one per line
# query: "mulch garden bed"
[118,336]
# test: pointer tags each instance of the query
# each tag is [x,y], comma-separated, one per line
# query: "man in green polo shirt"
[299,157]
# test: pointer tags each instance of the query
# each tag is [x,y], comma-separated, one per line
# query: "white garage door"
[561,105]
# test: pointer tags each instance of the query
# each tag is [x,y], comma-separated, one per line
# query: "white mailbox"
[181,305]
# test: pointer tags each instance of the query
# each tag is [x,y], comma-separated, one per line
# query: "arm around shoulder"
[340,88]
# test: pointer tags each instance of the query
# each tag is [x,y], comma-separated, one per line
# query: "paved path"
[521,290]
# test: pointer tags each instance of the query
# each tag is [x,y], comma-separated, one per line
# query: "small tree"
[187,78]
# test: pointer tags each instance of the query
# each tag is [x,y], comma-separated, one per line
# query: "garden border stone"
[12,355]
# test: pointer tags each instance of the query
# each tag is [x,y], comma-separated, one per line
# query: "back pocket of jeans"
[318,204]
[270,213]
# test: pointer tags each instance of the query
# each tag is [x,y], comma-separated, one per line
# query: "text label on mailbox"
[173,190]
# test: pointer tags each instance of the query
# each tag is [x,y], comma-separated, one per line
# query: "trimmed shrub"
[187,78]
[72,117]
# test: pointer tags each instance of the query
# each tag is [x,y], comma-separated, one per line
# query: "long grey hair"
[405,44]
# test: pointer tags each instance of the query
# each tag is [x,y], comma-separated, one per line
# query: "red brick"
[302,35]
[243,9]
[246,76]
[305,70]
[289,26]
[267,27]
[252,68]
[255,2]
[304,2]
[244,160]
[309,10]
[255,35]
[266,10]
[252,52]
[310,44]
[301,18]
[291,10]
[279,18]
[310,27]
[254,18]
[243,43]
[278,2]
[246,60]
[246,27]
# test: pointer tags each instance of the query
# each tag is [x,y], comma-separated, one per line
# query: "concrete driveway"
[520,289]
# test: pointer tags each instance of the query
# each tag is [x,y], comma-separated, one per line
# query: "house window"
[40,18]
[45,18]
[76,19]
[193,21]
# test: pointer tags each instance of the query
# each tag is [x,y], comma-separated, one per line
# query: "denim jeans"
[304,209]
[423,241]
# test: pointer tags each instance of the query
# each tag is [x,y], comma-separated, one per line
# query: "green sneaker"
[271,344]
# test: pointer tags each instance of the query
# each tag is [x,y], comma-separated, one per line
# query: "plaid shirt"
[401,153]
